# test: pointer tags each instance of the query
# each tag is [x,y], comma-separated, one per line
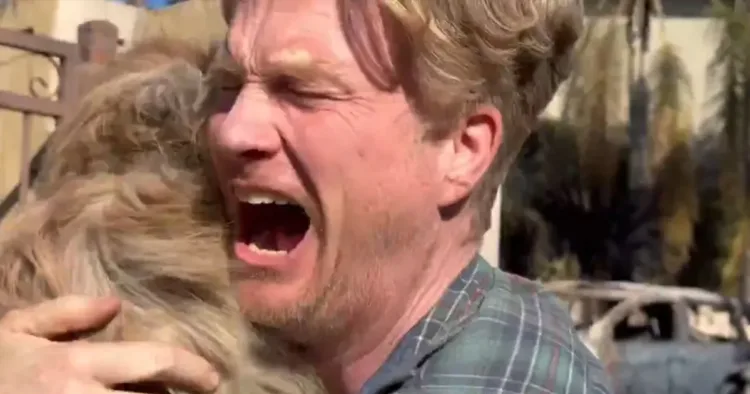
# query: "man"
[359,145]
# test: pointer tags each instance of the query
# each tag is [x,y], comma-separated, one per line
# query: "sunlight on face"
[323,172]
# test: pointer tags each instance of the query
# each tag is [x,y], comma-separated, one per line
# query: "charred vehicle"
[661,339]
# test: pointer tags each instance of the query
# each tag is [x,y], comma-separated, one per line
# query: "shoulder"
[520,340]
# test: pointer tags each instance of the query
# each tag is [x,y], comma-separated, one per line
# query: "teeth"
[256,249]
[263,198]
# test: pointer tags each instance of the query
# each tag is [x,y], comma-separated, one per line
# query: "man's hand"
[30,363]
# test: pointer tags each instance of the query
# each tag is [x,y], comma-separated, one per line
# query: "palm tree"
[707,252]
[570,187]
[595,101]
[730,68]
[638,14]
[670,159]
[576,194]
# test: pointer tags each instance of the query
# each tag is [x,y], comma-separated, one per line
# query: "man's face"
[326,176]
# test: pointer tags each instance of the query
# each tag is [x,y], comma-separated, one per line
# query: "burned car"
[661,339]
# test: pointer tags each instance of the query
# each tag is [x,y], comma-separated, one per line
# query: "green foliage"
[730,68]
[568,208]
[670,132]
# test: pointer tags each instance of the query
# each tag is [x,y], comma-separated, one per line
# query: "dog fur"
[124,205]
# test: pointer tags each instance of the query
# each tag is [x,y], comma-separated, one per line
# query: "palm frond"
[595,104]
[707,252]
[670,132]
[730,67]
[609,238]
[595,98]
[671,121]
[677,199]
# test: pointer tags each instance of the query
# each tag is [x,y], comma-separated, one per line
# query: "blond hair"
[511,54]
[125,207]
[140,236]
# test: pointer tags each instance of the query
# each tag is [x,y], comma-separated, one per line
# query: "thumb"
[64,315]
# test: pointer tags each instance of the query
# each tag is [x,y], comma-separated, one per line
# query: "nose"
[250,130]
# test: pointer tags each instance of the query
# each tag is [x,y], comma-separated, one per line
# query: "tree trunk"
[744,131]
[639,15]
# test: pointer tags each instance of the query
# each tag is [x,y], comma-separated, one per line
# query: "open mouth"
[271,225]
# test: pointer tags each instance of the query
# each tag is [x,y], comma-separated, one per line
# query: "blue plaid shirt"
[492,332]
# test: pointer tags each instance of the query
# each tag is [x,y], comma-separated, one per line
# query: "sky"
[150,3]
[157,3]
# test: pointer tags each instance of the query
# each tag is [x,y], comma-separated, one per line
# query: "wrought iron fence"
[97,42]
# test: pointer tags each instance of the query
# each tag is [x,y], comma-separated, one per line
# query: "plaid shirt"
[492,332]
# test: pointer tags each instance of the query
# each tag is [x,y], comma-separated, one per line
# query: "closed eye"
[224,96]
[296,93]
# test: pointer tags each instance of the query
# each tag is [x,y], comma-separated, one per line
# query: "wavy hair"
[125,206]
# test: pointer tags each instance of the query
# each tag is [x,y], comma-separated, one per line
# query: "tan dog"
[124,206]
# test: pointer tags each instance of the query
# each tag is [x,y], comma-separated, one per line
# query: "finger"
[130,362]
[61,316]
[90,387]
[145,387]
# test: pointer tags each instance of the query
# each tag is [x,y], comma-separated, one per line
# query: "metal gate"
[65,58]
[97,43]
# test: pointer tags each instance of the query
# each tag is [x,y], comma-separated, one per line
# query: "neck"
[380,331]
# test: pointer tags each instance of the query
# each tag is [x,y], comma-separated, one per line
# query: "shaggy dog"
[123,205]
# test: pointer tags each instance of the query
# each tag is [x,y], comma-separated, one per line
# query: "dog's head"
[125,206]
[144,119]
[137,236]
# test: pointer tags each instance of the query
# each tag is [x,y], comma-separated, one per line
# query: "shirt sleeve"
[520,343]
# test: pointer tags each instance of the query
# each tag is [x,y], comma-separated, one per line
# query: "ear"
[468,153]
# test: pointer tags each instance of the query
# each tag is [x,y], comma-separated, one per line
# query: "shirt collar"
[458,305]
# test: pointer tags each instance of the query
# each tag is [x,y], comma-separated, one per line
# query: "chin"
[276,243]
[271,302]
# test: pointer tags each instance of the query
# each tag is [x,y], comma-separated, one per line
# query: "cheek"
[212,130]
[323,142]
[393,161]
[391,178]
[219,163]
[369,160]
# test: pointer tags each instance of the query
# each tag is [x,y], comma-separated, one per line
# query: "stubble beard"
[305,323]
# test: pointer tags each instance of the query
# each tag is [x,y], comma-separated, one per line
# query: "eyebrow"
[298,64]
[301,65]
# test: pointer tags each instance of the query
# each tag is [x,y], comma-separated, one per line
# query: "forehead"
[269,30]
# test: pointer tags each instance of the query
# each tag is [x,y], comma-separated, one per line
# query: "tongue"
[281,227]
[286,240]
[278,238]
